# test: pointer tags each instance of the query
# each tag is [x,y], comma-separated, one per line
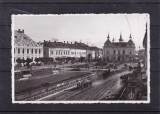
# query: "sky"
[91,29]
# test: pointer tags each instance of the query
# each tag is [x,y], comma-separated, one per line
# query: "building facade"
[118,51]
[61,49]
[25,47]
[64,49]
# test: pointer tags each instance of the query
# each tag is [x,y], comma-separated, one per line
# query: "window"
[52,52]
[32,51]
[35,51]
[130,53]
[39,51]
[123,52]
[14,50]
[56,52]
[114,52]
[119,52]
[27,51]
[18,51]
[23,51]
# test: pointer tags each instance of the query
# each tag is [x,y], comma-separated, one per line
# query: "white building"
[25,47]
[59,49]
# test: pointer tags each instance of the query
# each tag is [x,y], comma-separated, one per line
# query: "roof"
[93,48]
[120,44]
[108,43]
[21,39]
[65,45]
[76,45]
[130,41]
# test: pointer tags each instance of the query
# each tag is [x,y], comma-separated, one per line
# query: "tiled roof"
[21,39]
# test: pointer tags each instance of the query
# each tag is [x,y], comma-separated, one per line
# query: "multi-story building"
[63,49]
[118,51]
[25,47]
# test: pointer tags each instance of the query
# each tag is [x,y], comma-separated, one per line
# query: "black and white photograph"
[81,58]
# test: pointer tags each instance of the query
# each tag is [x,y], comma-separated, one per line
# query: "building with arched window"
[118,51]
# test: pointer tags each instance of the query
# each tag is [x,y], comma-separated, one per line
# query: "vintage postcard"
[81,58]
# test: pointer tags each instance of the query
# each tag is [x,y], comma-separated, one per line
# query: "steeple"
[108,36]
[130,37]
[120,39]
[113,40]
[108,42]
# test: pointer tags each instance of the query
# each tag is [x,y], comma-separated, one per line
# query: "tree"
[23,61]
[41,59]
[81,59]
[19,61]
[57,59]
[50,60]
[37,60]
[28,60]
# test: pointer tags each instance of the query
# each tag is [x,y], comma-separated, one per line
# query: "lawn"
[51,79]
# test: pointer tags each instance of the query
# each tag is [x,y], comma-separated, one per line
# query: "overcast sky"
[88,28]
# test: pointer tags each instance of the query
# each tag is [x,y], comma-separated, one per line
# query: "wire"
[130,27]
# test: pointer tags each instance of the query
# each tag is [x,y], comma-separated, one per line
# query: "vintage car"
[84,83]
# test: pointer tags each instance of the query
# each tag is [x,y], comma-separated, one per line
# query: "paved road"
[99,89]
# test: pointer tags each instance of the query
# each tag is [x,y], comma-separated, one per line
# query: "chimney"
[23,31]
[71,42]
[64,41]
[67,42]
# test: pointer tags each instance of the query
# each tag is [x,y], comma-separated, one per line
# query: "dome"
[130,41]
[108,42]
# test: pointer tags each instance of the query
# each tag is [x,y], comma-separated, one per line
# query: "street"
[99,90]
